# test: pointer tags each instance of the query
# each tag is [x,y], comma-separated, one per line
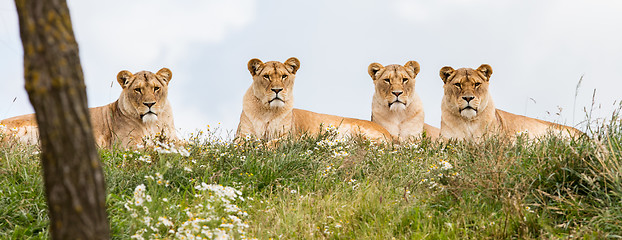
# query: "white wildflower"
[147,220]
[139,234]
[145,158]
[165,221]
[445,165]
[139,195]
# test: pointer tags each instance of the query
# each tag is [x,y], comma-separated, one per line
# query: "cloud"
[411,10]
[146,31]
[422,11]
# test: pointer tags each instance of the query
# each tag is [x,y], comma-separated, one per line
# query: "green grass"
[320,188]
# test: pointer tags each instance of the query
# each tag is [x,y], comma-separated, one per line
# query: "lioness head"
[466,90]
[395,84]
[144,93]
[273,81]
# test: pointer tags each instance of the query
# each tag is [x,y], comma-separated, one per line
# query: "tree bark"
[74,181]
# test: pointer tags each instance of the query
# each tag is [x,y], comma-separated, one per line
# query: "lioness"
[468,112]
[395,104]
[141,110]
[268,110]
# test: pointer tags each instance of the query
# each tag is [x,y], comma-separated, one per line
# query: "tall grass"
[324,188]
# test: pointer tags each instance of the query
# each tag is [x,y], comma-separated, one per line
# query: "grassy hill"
[324,188]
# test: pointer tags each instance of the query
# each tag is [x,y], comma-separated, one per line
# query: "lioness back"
[141,110]
[534,128]
[268,111]
[312,123]
[395,104]
[431,131]
[468,111]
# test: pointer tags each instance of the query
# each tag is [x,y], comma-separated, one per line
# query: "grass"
[323,188]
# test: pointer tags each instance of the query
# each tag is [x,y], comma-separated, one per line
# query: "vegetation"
[325,188]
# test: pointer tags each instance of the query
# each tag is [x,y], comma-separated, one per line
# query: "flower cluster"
[330,169]
[331,226]
[135,156]
[220,218]
[340,153]
[352,182]
[332,130]
[335,146]
[414,147]
[140,196]
[444,165]
[158,179]
[3,130]
[439,174]
[211,213]
[170,148]
[328,143]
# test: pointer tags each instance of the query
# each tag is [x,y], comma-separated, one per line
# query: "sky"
[538,49]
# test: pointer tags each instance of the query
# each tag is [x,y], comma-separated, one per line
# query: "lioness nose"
[468,98]
[397,93]
[277,90]
[149,104]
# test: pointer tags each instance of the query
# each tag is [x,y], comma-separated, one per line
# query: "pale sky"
[207,44]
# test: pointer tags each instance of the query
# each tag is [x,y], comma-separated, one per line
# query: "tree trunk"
[74,181]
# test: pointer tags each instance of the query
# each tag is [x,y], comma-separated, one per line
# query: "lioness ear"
[445,73]
[123,77]
[166,73]
[486,70]
[373,69]
[292,64]
[254,66]
[414,66]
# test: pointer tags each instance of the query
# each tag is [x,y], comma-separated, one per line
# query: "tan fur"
[268,115]
[472,119]
[395,104]
[121,122]
[21,128]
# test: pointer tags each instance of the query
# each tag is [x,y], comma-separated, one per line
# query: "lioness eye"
[156,88]
[405,80]
[457,85]
[284,77]
[267,77]
[137,90]
[477,84]
[387,80]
